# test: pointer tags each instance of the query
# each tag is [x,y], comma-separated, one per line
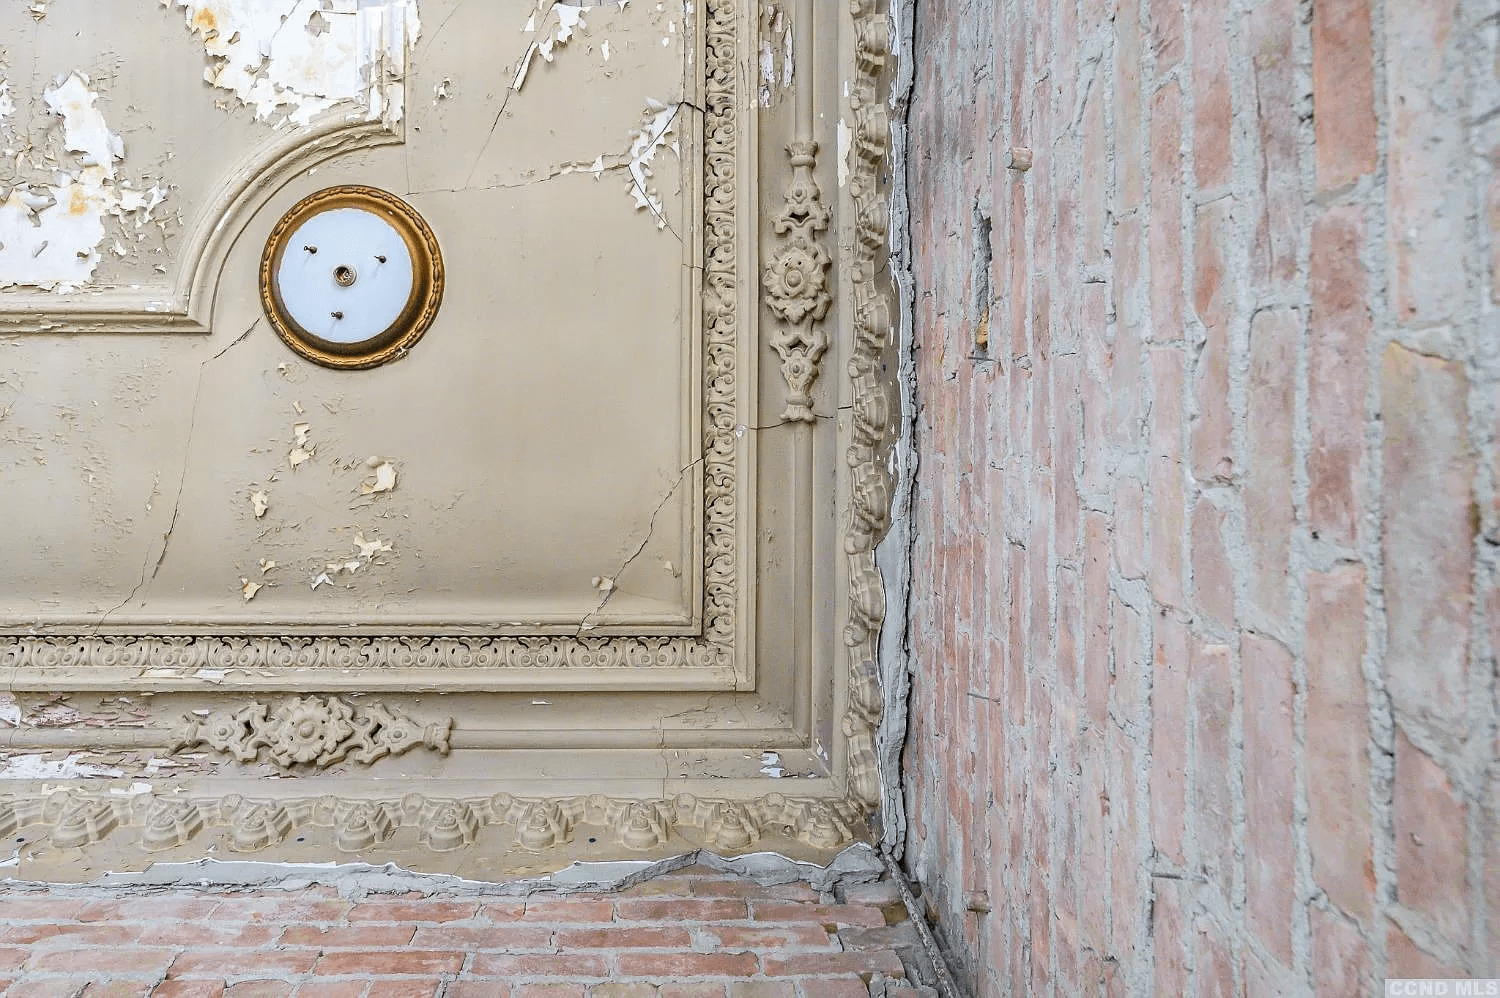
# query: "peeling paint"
[569,21]
[39,767]
[645,141]
[291,60]
[51,229]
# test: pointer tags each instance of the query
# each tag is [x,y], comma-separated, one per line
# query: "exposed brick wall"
[1204,614]
[696,934]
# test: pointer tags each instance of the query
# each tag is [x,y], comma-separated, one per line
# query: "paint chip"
[259,502]
[385,477]
[249,589]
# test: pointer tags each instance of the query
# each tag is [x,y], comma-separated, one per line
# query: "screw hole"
[592,839]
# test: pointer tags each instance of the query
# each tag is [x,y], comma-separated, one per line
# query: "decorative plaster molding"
[796,281]
[874,410]
[310,731]
[76,819]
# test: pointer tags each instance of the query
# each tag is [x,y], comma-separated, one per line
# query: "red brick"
[1169,736]
[882,961]
[1129,532]
[1213,445]
[1170,939]
[1212,111]
[1428,533]
[623,991]
[549,991]
[155,909]
[477,989]
[1270,765]
[676,909]
[391,987]
[282,910]
[1403,958]
[74,987]
[1127,402]
[406,961]
[768,989]
[23,907]
[1431,843]
[350,989]
[1343,91]
[188,935]
[125,960]
[1337,737]
[1213,579]
[258,989]
[1268,489]
[1127,867]
[413,911]
[469,937]
[618,936]
[821,914]
[1166,33]
[695,990]
[1130,184]
[1266,980]
[1092,207]
[1167,486]
[570,910]
[1278,95]
[189,989]
[1425,235]
[1213,970]
[1165,237]
[1340,961]
[57,934]
[233,962]
[1336,365]
[539,965]
[666,966]
[361,936]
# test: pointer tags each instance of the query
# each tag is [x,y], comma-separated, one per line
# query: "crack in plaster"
[614,580]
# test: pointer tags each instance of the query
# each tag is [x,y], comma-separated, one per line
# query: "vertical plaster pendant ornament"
[796,282]
[351,277]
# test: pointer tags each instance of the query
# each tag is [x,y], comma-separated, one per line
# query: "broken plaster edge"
[856,864]
[893,555]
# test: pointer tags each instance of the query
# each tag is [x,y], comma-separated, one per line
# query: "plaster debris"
[51,229]
[385,477]
[39,767]
[249,589]
[259,503]
[291,60]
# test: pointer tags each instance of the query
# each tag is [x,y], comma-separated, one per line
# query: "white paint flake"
[248,589]
[39,767]
[291,60]
[569,23]
[645,141]
[259,503]
[385,477]
[51,229]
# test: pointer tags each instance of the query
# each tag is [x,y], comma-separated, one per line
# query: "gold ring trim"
[421,307]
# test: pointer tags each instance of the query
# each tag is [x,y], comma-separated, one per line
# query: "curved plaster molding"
[185,306]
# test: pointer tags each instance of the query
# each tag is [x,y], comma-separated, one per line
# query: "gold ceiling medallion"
[351,277]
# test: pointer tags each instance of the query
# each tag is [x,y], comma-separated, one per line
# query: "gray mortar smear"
[893,553]
[858,864]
